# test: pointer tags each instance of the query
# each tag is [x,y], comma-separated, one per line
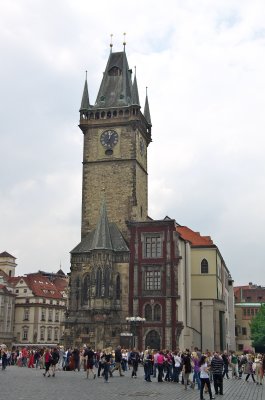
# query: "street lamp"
[134,321]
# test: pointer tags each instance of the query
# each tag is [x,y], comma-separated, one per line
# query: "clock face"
[109,138]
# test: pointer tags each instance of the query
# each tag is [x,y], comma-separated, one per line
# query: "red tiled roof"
[60,283]
[194,237]
[40,285]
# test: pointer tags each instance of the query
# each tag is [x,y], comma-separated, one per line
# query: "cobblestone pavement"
[29,384]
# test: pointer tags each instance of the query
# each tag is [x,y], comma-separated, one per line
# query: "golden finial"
[86,75]
[135,70]
[124,42]
[111,44]
[146,90]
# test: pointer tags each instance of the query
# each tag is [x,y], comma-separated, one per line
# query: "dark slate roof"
[118,243]
[116,86]
[102,239]
[106,236]
[147,111]
[85,99]
[135,94]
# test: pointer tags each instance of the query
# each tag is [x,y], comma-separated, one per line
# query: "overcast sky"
[204,64]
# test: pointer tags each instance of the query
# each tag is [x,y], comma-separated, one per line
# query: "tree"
[257,328]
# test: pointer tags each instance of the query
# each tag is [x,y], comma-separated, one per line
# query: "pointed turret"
[147,110]
[116,86]
[102,238]
[85,106]
[135,94]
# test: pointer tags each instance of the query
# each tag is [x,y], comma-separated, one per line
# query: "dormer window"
[115,71]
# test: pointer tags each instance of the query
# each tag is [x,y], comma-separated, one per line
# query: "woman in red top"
[47,361]
[31,360]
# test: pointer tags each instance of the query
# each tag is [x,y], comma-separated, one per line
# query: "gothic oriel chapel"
[126,263]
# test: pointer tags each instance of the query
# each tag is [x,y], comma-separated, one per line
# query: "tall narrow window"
[43,314]
[42,333]
[26,314]
[148,312]
[118,287]
[25,333]
[86,284]
[49,335]
[157,312]
[204,266]
[98,282]
[57,316]
[50,315]
[107,282]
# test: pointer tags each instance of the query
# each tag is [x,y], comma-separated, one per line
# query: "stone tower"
[114,192]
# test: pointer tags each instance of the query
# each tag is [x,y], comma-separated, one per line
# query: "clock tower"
[114,193]
[116,137]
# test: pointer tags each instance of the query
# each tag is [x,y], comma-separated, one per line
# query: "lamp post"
[134,321]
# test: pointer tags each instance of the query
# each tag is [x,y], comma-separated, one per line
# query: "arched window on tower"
[107,282]
[148,312]
[204,266]
[86,284]
[157,312]
[118,287]
[98,282]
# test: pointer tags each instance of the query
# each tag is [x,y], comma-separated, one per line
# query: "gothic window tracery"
[148,312]
[118,287]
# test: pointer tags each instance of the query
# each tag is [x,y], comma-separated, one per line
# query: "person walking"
[225,358]
[258,369]
[47,362]
[147,365]
[217,365]
[205,379]
[186,369]
[118,359]
[106,360]
[160,366]
[135,358]
[249,368]
[234,365]
[89,357]
[54,360]
[196,370]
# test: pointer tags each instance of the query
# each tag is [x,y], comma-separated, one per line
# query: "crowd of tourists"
[193,369]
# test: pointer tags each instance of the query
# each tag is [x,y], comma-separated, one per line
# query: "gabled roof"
[194,237]
[116,85]
[106,236]
[40,285]
[6,254]
[102,238]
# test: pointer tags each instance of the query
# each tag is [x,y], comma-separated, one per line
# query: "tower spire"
[146,109]
[135,94]
[85,98]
